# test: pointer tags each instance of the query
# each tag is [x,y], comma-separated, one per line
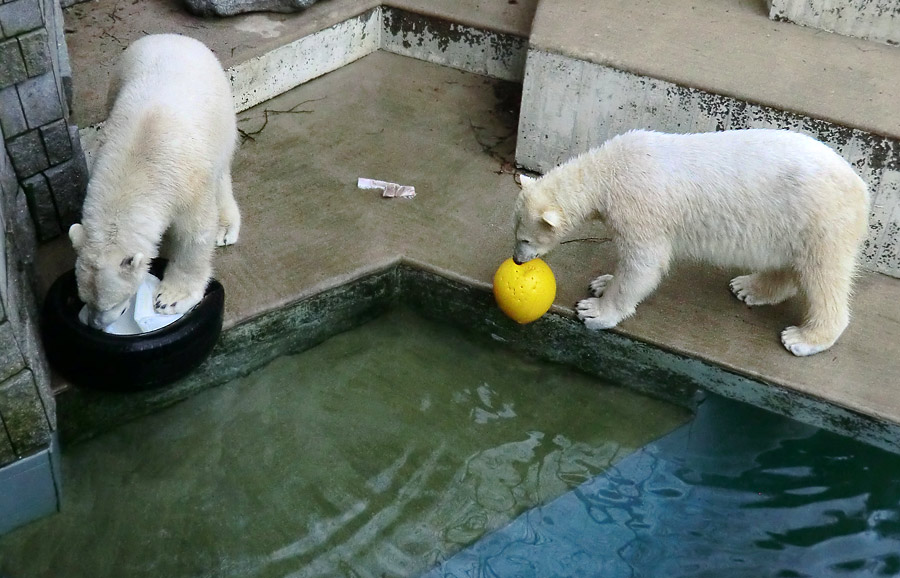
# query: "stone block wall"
[42,181]
[27,411]
[35,97]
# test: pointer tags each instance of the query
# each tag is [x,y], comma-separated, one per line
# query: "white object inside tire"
[140,317]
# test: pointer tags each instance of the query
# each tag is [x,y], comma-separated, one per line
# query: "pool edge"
[620,360]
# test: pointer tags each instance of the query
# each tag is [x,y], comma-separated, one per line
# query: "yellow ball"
[524,292]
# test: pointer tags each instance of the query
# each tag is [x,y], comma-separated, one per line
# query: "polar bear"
[164,164]
[777,203]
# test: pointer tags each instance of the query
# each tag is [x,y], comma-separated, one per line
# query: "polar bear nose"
[95,320]
[523,253]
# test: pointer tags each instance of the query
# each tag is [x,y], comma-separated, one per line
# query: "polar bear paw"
[596,316]
[172,299]
[227,235]
[796,340]
[598,285]
[762,289]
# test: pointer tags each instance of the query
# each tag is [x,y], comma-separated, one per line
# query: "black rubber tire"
[90,358]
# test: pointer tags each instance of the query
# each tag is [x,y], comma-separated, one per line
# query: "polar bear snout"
[524,252]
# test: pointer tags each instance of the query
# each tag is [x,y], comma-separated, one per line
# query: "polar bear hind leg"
[826,279]
[765,288]
[229,214]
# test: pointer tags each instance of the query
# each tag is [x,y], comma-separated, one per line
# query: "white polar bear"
[778,203]
[164,164]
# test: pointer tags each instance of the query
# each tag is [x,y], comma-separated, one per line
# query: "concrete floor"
[307,227]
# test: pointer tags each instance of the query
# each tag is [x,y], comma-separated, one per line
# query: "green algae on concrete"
[377,453]
[619,359]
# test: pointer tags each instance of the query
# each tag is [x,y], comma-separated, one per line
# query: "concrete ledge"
[731,48]
[447,43]
[30,488]
[267,52]
[285,67]
[99,31]
[505,18]
[262,77]
[878,21]
[470,305]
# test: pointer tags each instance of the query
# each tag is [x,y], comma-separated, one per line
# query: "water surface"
[736,493]
[378,453]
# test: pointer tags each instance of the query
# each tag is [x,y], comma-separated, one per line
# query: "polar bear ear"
[76,235]
[134,262]
[525,180]
[552,217]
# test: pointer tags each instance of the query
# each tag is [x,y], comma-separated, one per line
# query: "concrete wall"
[35,87]
[455,45]
[42,182]
[383,28]
[570,105]
[877,20]
[28,480]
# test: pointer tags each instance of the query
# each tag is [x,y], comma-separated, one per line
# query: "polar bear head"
[540,222]
[107,276]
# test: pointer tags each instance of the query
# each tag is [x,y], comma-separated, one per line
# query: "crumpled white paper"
[387,189]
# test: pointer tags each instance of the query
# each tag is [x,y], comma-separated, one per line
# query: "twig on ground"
[248,135]
[107,34]
[112,15]
[245,136]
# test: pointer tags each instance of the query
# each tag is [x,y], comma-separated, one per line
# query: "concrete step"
[878,21]
[595,70]
[267,54]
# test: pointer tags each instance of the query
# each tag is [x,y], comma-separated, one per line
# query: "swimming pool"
[378,453]
[405,447]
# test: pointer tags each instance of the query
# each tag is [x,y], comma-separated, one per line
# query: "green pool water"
[377,453]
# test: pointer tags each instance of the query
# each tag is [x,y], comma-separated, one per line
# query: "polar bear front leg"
[765,287]
[617,296]
[595,312]
[598,314]
[186,275]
